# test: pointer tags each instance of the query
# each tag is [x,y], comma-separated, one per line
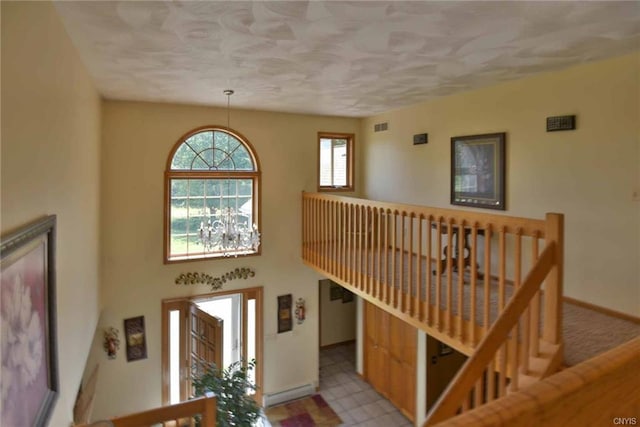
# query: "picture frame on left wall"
[29,365]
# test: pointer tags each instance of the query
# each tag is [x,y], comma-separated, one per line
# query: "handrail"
[529,226]
[600,391]
[171,415]
[468,376]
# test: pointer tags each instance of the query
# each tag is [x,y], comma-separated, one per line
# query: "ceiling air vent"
[379,127]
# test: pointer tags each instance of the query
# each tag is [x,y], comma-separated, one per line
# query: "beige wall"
[338,319]
[137,138]
[588,174]
[50,165]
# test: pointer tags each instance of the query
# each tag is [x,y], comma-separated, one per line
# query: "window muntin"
[335,161]
[212,173]
[212,150]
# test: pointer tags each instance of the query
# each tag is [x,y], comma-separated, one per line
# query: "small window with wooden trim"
[335,161]
[212,196]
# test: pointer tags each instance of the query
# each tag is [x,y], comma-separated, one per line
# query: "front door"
[205,343]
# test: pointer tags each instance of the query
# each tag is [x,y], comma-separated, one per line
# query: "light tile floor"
[353,399]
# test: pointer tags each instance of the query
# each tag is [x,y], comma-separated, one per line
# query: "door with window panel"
[206,338]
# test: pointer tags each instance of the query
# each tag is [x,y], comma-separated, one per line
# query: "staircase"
[472,280]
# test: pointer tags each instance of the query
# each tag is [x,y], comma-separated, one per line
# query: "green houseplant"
[235,407]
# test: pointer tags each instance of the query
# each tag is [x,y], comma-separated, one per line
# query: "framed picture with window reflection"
[478,171]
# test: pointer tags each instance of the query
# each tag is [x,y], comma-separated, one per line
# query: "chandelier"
[222,232]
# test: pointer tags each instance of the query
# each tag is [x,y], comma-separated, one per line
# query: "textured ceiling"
[334,57]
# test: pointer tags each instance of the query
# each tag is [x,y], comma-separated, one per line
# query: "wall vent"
[557,123]
[379,127]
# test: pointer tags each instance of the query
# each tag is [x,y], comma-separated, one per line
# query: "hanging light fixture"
[223,233]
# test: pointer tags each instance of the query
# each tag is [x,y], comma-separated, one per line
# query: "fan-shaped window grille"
[212,196]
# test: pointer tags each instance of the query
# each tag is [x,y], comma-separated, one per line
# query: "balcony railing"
[470,279]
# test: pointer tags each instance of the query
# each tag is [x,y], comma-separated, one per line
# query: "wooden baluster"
[368,271]
[465,404]
[417,307]
[534,307]
[339,234]
[487,280]
[316,232]
[554,232]
[361,237]
[438,274]
[523,344]
[304,225]
[400,291]
[449,309]
[348,247]
[394,255]
[320,232]
[362,229]
[460,259]
[358,247]
[478,393]
[474,276]
[336,239]
[514,358]
[426,312]
[408,306]
[323,234]
[502,357]
[343,241]
[327,235]
[518,259]
[387,261]
[491,380]
[340,243]
[332,241]
[502,268]
[379,251]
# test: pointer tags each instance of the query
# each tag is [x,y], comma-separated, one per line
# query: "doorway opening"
[221,328]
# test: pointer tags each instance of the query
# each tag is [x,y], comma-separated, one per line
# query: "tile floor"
[353,399]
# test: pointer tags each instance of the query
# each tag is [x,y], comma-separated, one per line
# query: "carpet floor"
[588,333]
[308,412]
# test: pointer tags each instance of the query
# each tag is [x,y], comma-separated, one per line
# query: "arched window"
[212,193]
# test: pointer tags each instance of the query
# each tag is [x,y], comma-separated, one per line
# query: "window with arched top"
[212,184]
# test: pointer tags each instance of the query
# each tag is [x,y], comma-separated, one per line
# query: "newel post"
[553,290]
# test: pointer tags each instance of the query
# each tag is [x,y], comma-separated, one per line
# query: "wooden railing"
[493,367]
[178,415]
[416,262]
[598,392]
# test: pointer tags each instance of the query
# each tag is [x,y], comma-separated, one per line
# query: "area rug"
[308,412]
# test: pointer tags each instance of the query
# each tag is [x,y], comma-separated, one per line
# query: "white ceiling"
[335,57]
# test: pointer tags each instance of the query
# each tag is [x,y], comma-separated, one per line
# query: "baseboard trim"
[603,310]
[337,344]
[273,399]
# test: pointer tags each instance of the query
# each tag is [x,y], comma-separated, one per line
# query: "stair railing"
[599,391]
[492,369]
[200,412]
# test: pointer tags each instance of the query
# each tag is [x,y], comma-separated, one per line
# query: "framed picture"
[285,322]
[135,338]
[335,292]
[478,171]
[29,371]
